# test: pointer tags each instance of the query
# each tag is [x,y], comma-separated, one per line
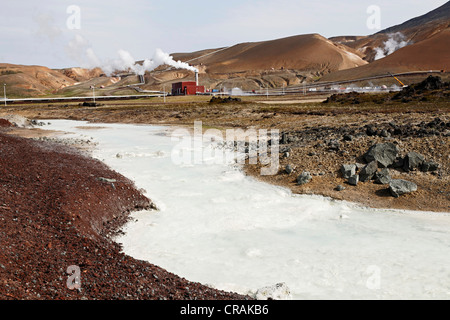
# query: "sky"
[72,33]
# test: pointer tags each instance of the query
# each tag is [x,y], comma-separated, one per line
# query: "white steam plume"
[396,41]
[79,50]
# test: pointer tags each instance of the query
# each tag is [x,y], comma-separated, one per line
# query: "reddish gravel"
[55,213]
[5,123]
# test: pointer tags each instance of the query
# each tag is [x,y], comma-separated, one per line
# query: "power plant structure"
[187,88]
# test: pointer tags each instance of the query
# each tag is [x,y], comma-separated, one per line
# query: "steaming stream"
[219,227]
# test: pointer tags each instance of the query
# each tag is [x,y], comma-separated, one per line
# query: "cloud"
[46,26]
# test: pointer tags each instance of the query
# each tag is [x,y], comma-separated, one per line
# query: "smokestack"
[196,77]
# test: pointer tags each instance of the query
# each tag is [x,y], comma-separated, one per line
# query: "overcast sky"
[45,33]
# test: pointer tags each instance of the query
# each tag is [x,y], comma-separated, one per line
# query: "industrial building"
[187,88]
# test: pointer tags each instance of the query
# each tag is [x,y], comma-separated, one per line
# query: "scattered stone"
[429,166]
[340,188]
[107,180]
[368,172]
[304,178]
[413,161]
[384,134]
[334,145]
[353,180]
[401,187]
[289,169]
[348,170]
[348,137]
[370,130]
[283,139]
[383,176]
[384,153]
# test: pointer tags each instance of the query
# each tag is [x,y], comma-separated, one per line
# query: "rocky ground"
[59,208]
[318,151]
[323,151]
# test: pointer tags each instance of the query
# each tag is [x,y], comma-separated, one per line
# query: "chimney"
[196,77]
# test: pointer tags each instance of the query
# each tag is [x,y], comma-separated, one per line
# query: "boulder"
[429,166]
[368,172]
[401,187]
[304,178]
[353,180]
[413,161]
[384,153]
[348,170]
[340,188]
[383,176]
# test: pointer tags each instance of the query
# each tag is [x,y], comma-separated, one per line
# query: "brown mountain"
[24,81]
[412,31]
[310,52]
[430,54]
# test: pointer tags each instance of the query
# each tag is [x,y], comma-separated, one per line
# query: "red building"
[186,88]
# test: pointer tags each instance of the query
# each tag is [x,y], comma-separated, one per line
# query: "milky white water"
[221,228]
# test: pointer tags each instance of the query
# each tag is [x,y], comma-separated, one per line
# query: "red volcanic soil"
[55,212]
[5,123]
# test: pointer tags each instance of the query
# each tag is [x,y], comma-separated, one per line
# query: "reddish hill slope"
[430,54]
[24,81]
[310,52]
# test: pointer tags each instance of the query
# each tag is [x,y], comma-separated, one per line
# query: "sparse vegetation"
[9,72]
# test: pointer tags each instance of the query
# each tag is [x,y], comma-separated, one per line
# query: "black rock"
[384,153]
[334,145]
[371,131]
[353,180]
[413,161]
[401,187]
[348,170]
[398,163]
[284,139]
[429,166]
[304,178]
[368,172]
[383,176]
[289,169]
[348,137]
